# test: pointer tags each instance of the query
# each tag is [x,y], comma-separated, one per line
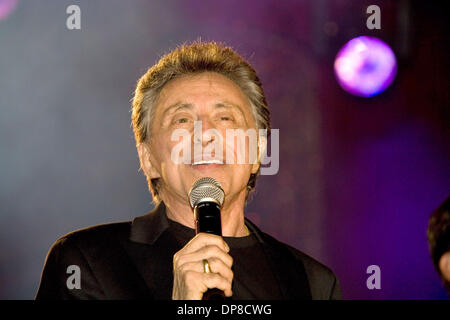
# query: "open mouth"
[203,162]
[206,164]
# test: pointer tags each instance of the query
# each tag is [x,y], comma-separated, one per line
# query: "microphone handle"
[207,219]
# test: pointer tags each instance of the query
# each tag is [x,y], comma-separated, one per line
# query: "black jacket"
[133,260]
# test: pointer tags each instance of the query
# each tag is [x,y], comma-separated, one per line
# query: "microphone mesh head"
[206,188]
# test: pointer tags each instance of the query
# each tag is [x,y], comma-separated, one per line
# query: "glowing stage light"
[6,7]
[365,66]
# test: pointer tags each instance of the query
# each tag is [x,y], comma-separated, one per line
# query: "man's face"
[219,104]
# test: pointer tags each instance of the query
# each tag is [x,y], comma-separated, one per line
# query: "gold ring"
[206,267]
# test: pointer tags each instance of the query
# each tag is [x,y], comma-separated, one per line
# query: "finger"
[205,239]
[216,265]
[214,280]
[197,283]
[207,252]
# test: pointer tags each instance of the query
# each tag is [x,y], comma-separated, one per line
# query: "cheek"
[240,150]
[178,152]
[169,155]
[235,178]
[238,174]
[160,150]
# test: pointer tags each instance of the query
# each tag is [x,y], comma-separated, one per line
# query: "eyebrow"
[175,107]
[230,105]
[183,105]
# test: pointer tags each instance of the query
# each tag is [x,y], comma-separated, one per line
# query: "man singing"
[159,255]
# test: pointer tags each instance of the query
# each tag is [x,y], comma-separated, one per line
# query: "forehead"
[201,88]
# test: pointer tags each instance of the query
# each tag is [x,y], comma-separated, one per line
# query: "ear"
[262,145]
[145,158]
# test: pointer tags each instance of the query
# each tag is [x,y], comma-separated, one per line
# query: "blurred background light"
[6,7]
[365,66]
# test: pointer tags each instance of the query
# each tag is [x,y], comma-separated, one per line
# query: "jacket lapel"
[150,242]
[289,272]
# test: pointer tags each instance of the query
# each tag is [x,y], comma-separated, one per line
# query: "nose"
[202,131]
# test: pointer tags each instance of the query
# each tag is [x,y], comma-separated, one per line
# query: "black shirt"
[253,278]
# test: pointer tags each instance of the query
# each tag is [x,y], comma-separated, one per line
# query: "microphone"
[206,198]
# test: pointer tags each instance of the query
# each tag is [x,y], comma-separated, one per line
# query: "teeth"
[207,162]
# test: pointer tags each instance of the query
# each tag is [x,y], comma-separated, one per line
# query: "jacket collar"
[148,228]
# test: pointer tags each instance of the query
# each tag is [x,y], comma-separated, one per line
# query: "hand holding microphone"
[202,268]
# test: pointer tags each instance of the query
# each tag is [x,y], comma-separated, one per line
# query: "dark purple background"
[358,177]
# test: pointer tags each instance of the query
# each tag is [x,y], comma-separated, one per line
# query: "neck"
[232,214]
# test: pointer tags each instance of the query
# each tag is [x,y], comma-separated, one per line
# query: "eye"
[182,120]
[226,118]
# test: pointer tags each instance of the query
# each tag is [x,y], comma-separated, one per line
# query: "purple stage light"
[365,66]
[6,7]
